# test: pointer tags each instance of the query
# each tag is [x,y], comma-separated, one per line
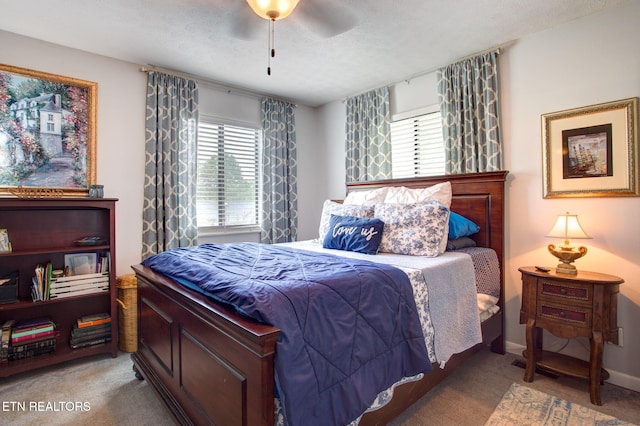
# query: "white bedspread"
[450,293]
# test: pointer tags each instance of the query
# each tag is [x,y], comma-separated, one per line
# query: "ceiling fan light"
[273,9]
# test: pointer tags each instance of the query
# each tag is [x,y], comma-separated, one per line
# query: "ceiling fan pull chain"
[273,38]
[268,49]
[271,50]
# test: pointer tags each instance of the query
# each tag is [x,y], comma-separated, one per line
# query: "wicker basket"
[128,312]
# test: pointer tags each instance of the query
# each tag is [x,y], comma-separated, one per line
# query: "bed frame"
[213,366]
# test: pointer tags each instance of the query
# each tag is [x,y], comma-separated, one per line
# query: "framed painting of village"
[591,151]
[47,134]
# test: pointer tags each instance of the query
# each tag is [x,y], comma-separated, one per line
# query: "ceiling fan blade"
[244,24]
[326,18]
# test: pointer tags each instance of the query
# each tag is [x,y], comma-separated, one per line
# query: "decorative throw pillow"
[460,226]
[354,234]
[460,243]
[415,229]
[331,207]
[403,195]
[366,198]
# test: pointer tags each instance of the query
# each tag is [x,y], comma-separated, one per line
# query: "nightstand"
[569,306]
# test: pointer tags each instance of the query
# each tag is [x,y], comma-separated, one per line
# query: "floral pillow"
[331,207]
[414,229]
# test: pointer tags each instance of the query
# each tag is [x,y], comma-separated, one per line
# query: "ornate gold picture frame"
[47,133]
[591,151]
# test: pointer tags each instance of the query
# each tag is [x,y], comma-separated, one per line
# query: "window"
[227,187]
[417,146]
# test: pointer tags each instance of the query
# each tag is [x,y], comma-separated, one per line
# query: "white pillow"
[413,229]
[366,198]
[331,207]
[403,195]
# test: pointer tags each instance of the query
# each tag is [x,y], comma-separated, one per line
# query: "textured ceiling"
[317,61]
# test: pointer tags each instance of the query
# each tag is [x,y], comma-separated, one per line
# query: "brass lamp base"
[566,255]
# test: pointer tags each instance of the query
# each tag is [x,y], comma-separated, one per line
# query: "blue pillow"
[460,226]
[354,234]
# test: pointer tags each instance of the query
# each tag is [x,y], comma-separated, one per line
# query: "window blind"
[417,146]
[227,185]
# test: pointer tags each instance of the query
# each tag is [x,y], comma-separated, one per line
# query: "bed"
[212,365]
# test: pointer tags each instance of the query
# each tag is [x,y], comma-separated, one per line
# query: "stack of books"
[91,330]
[27,338]
[76,285]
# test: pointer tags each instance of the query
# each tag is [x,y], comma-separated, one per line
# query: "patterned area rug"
[527,407]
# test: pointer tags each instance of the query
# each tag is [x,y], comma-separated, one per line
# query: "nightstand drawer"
[573,315]
[561,290]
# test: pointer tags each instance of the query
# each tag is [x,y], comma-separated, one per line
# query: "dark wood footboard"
[208,364]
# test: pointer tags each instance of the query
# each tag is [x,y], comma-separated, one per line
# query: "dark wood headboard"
[477,196]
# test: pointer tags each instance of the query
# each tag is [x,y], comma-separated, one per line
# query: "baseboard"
[615,377]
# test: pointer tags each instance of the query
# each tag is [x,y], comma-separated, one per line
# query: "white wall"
[585,62]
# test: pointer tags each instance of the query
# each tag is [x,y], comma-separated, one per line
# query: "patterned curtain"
[368,134]
[169,211]
[279,222]
[469,103]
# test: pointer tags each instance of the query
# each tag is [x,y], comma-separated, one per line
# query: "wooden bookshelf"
[45,230]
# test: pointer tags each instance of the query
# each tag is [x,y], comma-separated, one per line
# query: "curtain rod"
[214,84]
[407,80]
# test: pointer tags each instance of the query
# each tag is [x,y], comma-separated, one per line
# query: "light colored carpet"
[525,406]
[103,391]
[98,391]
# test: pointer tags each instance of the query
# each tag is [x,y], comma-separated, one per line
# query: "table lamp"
[567,227]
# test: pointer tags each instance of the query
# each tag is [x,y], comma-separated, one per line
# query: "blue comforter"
[349,327]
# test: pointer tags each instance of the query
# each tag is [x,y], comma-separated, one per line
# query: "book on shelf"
[91,320]
[28,330]
[30,337]
[40,282]
[79,338]
[31,349]
[91,342]
[32,323]
[40,343]
[93,329]
[32,330]
[6,340]
[27,338]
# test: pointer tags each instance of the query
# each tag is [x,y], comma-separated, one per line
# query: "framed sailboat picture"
[591,151]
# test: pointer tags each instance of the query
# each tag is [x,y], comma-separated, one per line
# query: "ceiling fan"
[327,18]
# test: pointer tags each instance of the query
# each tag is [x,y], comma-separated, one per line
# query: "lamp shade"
[273,9]
[567,227]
